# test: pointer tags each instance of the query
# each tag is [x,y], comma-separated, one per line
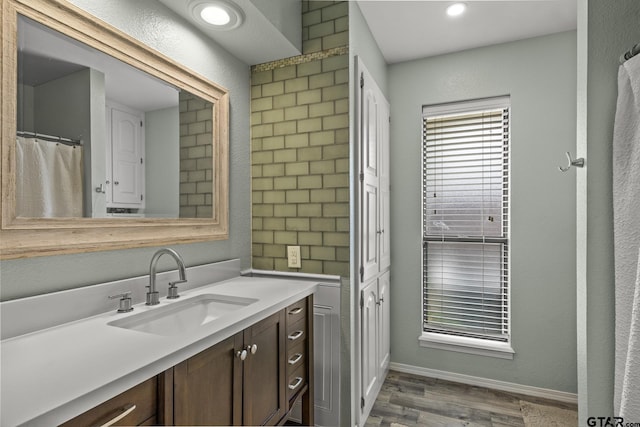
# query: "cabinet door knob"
[252,348]
[241,354]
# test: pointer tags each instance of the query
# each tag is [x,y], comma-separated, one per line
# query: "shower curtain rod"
[66,141]
[630,53]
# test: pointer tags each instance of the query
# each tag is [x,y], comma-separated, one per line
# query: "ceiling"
[45,55]
[406,30]
[262,37]
[403,29]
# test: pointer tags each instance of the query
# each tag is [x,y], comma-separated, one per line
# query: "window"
[465,192]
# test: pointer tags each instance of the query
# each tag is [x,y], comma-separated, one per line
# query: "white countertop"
[53,375]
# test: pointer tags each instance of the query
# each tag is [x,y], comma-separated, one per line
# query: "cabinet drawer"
[296,312]
[296,334]
[296,381]
[296,356]
[133,407]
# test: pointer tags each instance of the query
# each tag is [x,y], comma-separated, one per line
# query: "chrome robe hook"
[579,162]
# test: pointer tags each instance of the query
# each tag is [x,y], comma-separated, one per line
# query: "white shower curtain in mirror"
[48,179]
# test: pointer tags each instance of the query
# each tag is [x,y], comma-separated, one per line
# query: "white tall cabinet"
[373,237]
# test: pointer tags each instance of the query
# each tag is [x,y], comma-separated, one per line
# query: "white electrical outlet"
[293,257]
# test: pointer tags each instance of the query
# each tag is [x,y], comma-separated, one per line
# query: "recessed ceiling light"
[456,9]
[217,14]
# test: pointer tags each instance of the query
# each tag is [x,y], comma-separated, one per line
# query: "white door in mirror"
[127,167]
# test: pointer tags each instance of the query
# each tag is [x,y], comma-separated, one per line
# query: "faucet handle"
[173,289]
[125,301]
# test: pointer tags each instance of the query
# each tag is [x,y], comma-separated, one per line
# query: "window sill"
[466,345]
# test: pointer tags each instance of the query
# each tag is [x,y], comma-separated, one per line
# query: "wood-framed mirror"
[145,169]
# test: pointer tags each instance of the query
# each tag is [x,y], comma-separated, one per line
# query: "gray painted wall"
[162,169]
[285,16]
[605,30]
[25,120]
[155,25]
[95,149]
[362,44]
[62,106]
[540,76]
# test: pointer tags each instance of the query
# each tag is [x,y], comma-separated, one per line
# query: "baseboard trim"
[561,396]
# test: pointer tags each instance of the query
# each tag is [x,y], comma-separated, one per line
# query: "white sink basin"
[183,316]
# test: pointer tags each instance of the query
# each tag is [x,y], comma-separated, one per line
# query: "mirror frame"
[29,237]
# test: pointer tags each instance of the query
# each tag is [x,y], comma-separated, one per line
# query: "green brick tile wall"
[196,154]
[300,148]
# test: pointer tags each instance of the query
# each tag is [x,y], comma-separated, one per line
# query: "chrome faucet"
[153,296]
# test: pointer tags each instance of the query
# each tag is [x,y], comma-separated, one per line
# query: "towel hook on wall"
[572,162]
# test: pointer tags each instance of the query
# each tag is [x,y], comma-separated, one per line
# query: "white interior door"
[126,134]
[371,332]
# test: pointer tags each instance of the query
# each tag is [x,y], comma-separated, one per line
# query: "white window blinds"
[466,219]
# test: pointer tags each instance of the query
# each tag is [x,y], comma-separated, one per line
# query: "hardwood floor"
[411,400]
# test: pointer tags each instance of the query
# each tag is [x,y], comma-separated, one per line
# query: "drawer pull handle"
[296,310]
[295,359]
[297,383]
[126,410]
[294,336]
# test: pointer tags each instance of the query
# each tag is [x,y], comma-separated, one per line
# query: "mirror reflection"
[99,138]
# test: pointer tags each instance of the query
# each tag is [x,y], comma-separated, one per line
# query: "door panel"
[370,133]
[384,222]
[369,347]
[264,372]
[323,342]
[207,386]
[369,236]
[384,303]
[369,185]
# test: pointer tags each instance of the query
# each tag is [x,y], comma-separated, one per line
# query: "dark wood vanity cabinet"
[138,406]
[252,378]
[239,381]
